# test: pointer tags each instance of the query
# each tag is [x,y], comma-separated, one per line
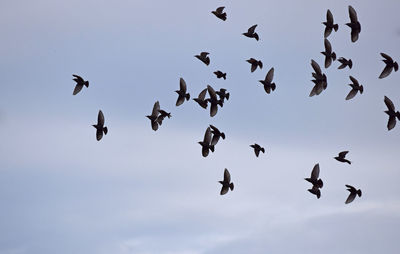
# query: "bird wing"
[386,71]
[180,100]
[329,17]
[270,75]
[251,29]
[253,67]
[354,35]
[156,109]
[207,136]
[204,54]
[387,57]
[343,154]
[224,190]
[214,140]
[227,176]
[351,94]
[212,93]
[202,94]
[389,104]
[182,85]
[391,123]
[77,89]
[154,125]
[99,134]
[350,188]
[355,81]
[353,15]
[213,109]
[328,46]
[78,79]
[316,67]
[100,118]
[328,61]
[315,172]
[256,151]
[220,9]
[351,197]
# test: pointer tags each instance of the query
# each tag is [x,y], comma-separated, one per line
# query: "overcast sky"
[145,192]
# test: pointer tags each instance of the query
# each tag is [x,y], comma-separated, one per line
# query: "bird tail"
[273,86]
[396,66]
[398,115]
[333,56]
[86,83]
[222,135]
[350,63]
[224,76]
[187,97]
[260,64]
[320,183]
[227,96]
[361,89]
[256,36]
[359,193]
[231,186]
[220,102]
[336,27]
[105,130]
[212,148]
[262,150]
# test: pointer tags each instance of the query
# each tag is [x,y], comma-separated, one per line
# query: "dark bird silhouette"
[206,143]
[267,82]
[203,57]
[226,183]
[80,82]
[201,99]
[162,115]
[100,128]
[390,65]
[355,88]
[216,135]
[354,24]
[320,80]
[219,13]
[222,95]
[329,24]
[220,74]
[344,62]
[257,148]
[353,193]
[392,113]
[328,53]
[213,100]
[318,183]
[182,92]
[154,116]
[251,34]
[254,64]
[341,157]
[316,191]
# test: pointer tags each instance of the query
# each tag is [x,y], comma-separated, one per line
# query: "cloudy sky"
[144,192]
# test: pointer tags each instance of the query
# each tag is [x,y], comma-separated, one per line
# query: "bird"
[201,99]
[80,82]
[329,24]
[257,148]
[328,53]
[319,80]
[216,135]
[354,24]
[318,183]
[355,88]
[219,13]
[344,62]
[353,193]
[226,183]
[390,65]
[154,116]
[100,128]
[251,34]
[206,143]
[220,74]
[316,191]
[182,92]
[341,157]
[204,58]
[254,64]
[267,82]
[162,115]
[392,113]
[222,95]
[213,100]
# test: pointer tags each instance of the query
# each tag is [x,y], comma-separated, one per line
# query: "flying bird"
[316,191]
[254,64]
[319,80]
[251,34]
[329,24]
[206,143]
[182,92]
[201,99]
[390,65]
[353,193]
[219,13]
[226,183]
[344,62]
[354,24]
[318,183]
[220,74]
[342,157]
[222,95]
[216,135]
[213,100]
[267,82]
[154,116]
[355,88]
[162,115]
[100,128]
[392,113]
[80,82]
[257,148]
[328,53]
[204,58]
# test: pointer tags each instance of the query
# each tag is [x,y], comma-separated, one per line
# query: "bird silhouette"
[226,183]
[254,64]
[328,53]
[80,82]
[251,34]
[392,113]
[341,157]
[267,82]
[318,183]
[219,13]
[206,143]
[320,80]
[390,65]
[182,92]
[100,128]
[204,58]
[354,24]
[216,135]
[329,24]
[222,95]
[257,148]
[154,116]
[316,191]
[162,115]
[353,193]
[355,88]
[201,99]
[213,100]
[344,62]
[220,74]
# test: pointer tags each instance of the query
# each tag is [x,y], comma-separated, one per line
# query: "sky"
[144,192]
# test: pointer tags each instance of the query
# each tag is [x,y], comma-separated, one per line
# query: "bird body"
[254,64]
[391,112]
[341,157]
[344,62]
[204,57]
[206,145]
[355,88]
[328,53]
[390,65]
[329,24]
[226,183]
[251,33]
[219,13]
[320,79]
[314,179]
[353,193]
[220,74]
[80,82]
[182,95]
[100,128]
[354,24]
[267,82]
[213,100]
[154,116]
[257,149]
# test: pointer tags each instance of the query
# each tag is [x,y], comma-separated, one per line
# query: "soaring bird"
[355,88]
[392,113]
[216,135]
[344,62]
[267,82]
[353,193]
[222,95]
[80,82]
[201,99]
[154,116]
[254,64]
[354,24]
[342,157]
[219,13]
[206,143]
[203,57]
[251,34]
[100,128]
[226,183]
[257,148]
[390,65]
[182,92]
[329,24]
[220,74]
[314,177]
[213,100]
[319,80]
[328,53]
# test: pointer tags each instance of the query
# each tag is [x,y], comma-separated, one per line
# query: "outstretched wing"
[77,89]
[386,71]
[182,85]
[328,46]
[100,118]
[227,176]
[220,9]
[156,109]
[355,81]
[316,67]
[252,29]
[343,154]
[387,57]
[202,94]
[270,75]
[389,104]
[315,172]
[329,17]
[353,15]
[351,197]
[207,136]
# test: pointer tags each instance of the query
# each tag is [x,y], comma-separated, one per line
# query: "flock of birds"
[217,98]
